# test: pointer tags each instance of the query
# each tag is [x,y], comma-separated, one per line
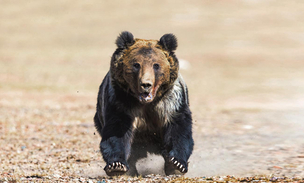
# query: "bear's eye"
[136,65]
[156,66]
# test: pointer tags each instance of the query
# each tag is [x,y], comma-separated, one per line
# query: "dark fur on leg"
[178,143]
[115,145]
[116,132]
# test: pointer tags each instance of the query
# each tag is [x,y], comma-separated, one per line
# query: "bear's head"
[144,68]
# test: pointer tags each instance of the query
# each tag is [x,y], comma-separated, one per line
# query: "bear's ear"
[169,42]
[125,39]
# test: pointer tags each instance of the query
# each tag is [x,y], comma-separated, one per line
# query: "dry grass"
[245,80]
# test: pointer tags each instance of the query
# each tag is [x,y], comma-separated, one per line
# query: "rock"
[56,176]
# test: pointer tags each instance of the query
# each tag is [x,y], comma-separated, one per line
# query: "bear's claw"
[115,168]
[178,165]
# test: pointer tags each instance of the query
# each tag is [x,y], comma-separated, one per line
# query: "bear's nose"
[146,86]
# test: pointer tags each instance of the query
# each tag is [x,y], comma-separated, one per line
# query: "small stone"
[221,179]
[56,176]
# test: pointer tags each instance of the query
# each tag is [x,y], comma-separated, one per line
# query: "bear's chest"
[147,119]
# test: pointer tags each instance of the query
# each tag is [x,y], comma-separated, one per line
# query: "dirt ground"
[243,62]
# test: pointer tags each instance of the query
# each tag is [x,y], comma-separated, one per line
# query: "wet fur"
[124,122]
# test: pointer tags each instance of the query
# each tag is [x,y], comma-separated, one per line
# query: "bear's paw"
[116,168]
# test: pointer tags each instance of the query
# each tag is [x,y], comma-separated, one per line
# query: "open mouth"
[145,97]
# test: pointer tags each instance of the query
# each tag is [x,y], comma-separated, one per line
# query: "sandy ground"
[243,62]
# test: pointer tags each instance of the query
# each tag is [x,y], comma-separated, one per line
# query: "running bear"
[143,101]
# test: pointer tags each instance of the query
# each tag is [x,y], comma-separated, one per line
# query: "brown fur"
[122,71]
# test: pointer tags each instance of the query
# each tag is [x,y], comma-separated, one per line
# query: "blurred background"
[243,62]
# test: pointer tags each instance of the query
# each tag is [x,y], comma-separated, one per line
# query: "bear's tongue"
[145,96]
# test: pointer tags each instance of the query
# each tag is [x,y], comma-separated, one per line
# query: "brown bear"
[143,102]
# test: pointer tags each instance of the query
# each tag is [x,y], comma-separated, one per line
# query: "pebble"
[56,176]
[221,179]
[277,167]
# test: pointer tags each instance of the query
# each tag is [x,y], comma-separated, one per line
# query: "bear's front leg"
[115,145]
[178,143]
